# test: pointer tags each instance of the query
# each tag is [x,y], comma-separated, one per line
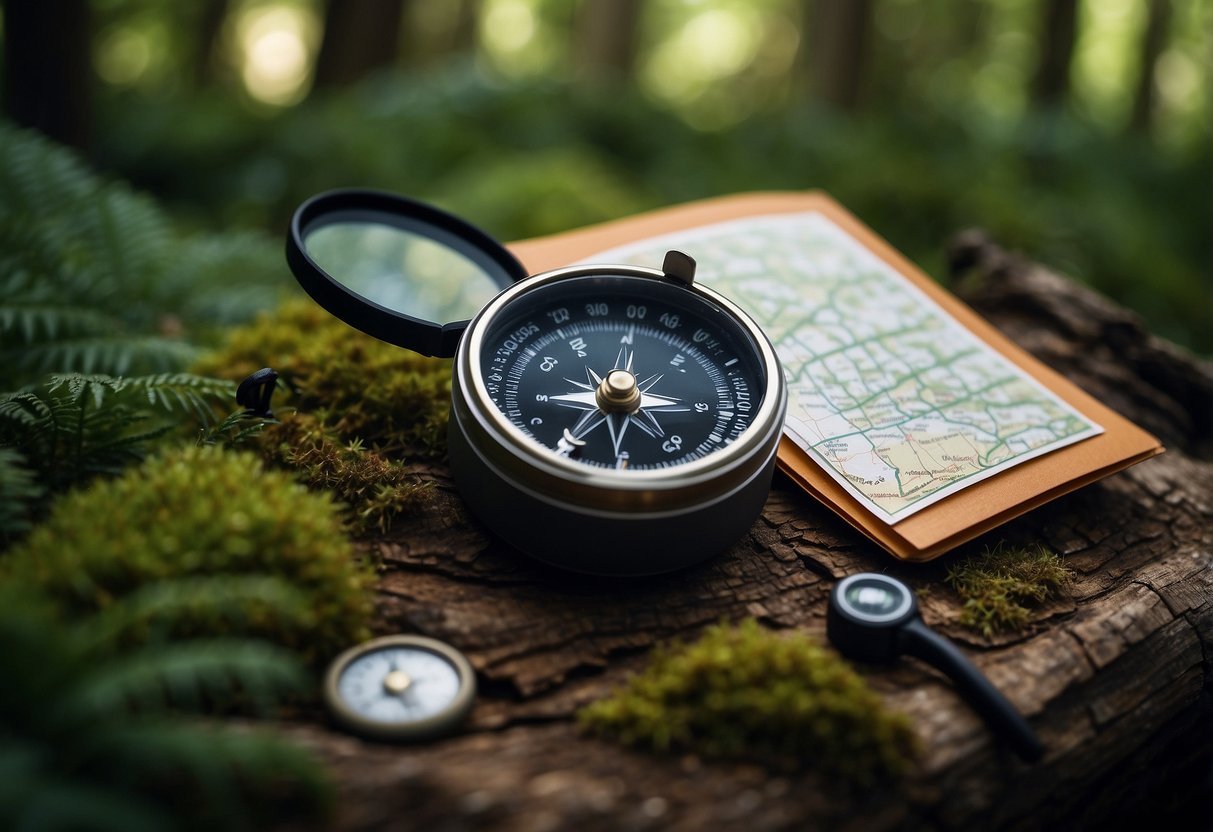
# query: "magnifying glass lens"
[872,600]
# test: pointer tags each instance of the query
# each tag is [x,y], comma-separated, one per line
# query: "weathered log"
[1115,677]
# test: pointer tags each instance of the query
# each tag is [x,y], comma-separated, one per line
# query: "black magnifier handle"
[917,639]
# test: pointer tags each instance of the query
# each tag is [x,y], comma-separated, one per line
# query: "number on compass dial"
[624,373]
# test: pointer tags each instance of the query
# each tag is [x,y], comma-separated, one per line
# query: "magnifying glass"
[874,618]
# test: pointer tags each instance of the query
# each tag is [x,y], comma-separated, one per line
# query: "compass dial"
[400,688]
[626,373]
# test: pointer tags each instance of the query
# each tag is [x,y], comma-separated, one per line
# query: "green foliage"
[95,279]
[375,489]
[95,736]
[75,427]
[998,585]
[541,157]
[203,512]
[362,409]
[19,491]
[237,428]
[742,691]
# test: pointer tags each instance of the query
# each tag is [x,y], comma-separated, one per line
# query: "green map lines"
[886,391]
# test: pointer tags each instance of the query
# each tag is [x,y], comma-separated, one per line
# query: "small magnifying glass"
[874,618]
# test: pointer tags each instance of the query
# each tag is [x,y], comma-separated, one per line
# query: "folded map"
[907,414]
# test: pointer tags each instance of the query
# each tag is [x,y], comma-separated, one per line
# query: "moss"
[998,585]
[361,388]
[200,512]
[355,412]
[743,691]
[375,488]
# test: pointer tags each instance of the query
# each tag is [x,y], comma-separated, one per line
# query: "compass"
[610,419]
[400,688]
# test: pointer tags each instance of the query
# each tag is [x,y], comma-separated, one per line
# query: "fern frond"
[26,324]
[202,603]
[184,393]
[236,429]
[54,802]
[19,491]
[111,354]
[24,410]
[188,674]
[76,426]
[230,769]
[128,275]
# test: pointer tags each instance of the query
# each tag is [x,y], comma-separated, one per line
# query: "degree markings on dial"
[582,396]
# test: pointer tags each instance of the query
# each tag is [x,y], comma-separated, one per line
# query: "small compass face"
[400,688]
[623,372]
[399,684]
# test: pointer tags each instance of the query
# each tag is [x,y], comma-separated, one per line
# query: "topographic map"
[894,398]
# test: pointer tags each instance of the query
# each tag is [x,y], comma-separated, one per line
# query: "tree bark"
[360,37]
[210,18]
[1058,32]
[835,48]
[1153,39]
[1115,677]
[606,38]
[47,69]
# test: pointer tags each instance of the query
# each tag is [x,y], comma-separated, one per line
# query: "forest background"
[1074,130]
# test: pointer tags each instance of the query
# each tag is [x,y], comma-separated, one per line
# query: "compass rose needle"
[624,360]
[589,420]
[581,400]
[617,424]
[652,401]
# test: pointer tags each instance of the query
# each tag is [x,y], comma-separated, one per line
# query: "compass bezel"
[656,489]
[435,725]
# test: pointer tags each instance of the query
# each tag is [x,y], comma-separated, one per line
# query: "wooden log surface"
[1115,677]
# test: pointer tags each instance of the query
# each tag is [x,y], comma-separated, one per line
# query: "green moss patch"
[999,585]
[355,412]
[746,692]
[203,512]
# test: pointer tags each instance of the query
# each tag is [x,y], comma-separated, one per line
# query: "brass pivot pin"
[396,682]
[618,393]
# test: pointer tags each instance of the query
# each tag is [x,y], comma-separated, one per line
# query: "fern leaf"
[168,607]
[186,674]
[65,233]
[19,492]
[79,425]
[228,767]
[185,393]
[109,354]
[26,324]
[24,410]
[55,803]
[239,427]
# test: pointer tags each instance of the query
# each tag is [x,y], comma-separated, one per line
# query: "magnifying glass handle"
[920,641]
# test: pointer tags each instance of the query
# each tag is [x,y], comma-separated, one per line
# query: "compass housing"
[598,520]
[413,275]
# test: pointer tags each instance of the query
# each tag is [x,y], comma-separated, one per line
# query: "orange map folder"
[912,418]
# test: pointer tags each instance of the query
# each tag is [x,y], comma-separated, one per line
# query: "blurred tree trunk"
[360,36]
[605,39]
[835,42]
[464,38]
[1058,31]
[47,67]
[209,20]
[1152,42]
[435,33]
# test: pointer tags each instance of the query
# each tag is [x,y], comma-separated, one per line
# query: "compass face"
[399,684]
[400,688]
[622,372]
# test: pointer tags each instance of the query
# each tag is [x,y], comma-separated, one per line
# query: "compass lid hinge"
[679,266]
